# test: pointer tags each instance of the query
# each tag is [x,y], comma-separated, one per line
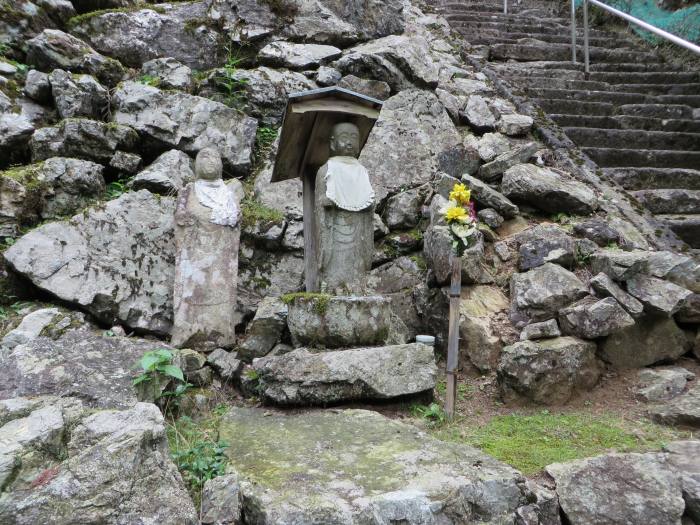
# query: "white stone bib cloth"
[347,184]
[219,197]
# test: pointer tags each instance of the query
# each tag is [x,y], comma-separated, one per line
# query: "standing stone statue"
[344,210]
[207,237]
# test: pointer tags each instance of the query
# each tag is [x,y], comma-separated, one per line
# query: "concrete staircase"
[636,116]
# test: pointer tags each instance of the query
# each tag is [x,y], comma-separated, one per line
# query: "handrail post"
[586,52]
[573,31]
[505,7]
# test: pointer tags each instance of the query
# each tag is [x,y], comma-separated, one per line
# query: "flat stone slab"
[683,410]
[303,377]
[357,466]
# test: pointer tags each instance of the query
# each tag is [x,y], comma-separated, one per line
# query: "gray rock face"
[478,114]
[134,37]
[225,363]
[662,383]
[29,329]
[372,88]
[339,22]
[339,321]
[303,377]
[618,488]
[297,56]
[484,195]
[53,49]
[658,296]
[187,123]
[649,341]
[403,209]
[75,261]
[537,295]
[619,265]
[82,138]
[170,73]
[514,125]
[490,218]
[491,145]
[492,170]
[222,503]
[78,95]
[542,330]
[167,174]
[598,231]
[126,163]
[95,471]
[327,76]
[412,139]
[679,269]
[604,286]
[559,249]
[548,372]
[265,330]
[684,457]
[681,410]
[97,369]
[591,318]
[401,61]
[37,86]
[347,480]
[438,251]
[547,190]
[15,132]
[402,274]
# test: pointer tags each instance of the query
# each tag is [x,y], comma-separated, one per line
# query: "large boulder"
[483,325]
[54,49]
[604,286]
[650,340]
[619,265]
[618,488]
[265,330]
[97,369]
[661,384]
[684,456]
[683,410]
[413,139]
[170,172]
[186,122]
[591,318]
[658,296]
[547,190]
[84,139]
[169,73]
[486,196]
[110,467]
[177,30]
[549,371]
[335,321]
[537,295]
[304,377]
[297,56]
[29,328]
[78,95]
[15,132]
[116,262]
[361,467]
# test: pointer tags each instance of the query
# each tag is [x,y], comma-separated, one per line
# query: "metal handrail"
[636,21]
[505,7]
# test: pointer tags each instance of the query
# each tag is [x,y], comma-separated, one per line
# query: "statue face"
[345,140]
[208,165]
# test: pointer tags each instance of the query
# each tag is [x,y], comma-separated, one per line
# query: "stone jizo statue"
[207,238]
[344,210]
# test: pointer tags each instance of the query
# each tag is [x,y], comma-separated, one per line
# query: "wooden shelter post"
[453,337]
[310,264]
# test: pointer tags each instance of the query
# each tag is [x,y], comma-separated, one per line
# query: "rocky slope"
[101,113]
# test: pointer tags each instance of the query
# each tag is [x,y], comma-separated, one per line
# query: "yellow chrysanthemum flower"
[456,214]
[460,194]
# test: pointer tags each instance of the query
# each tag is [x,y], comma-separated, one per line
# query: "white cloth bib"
[347,184]
[220,199]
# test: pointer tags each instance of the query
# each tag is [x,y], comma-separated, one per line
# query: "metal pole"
[453,337]
[586,52]
[573,31]
[505,7]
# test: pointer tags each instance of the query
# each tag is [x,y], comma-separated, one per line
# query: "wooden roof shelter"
[304,147]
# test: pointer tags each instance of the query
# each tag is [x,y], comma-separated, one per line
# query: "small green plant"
[202,461]
[320,300]
[157,369]
[4,49]
[116,189]
[149,80]
[227,81]
[264,139]
[254,212]
[432,413]
[252,374]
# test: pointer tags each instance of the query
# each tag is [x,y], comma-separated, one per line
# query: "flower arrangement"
[460,216]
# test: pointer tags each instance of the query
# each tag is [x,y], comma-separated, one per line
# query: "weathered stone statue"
[344,211]
[207,237]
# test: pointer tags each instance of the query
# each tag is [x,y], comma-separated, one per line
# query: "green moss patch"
[529,443]
[255,212]
[86,17]
[320,300]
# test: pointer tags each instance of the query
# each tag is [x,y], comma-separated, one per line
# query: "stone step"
[632,138]
[687,227]
[575,107]
[490,37]
[626,122]
[646,89]
[467,27]
[545,22]
[589,96]
[654,178]
[646,77]
[664,111]
[620,69]
[560,52]
[666,201]
[613,157]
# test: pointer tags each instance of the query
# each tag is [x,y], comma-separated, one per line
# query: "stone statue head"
[208,165]
[345,140]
